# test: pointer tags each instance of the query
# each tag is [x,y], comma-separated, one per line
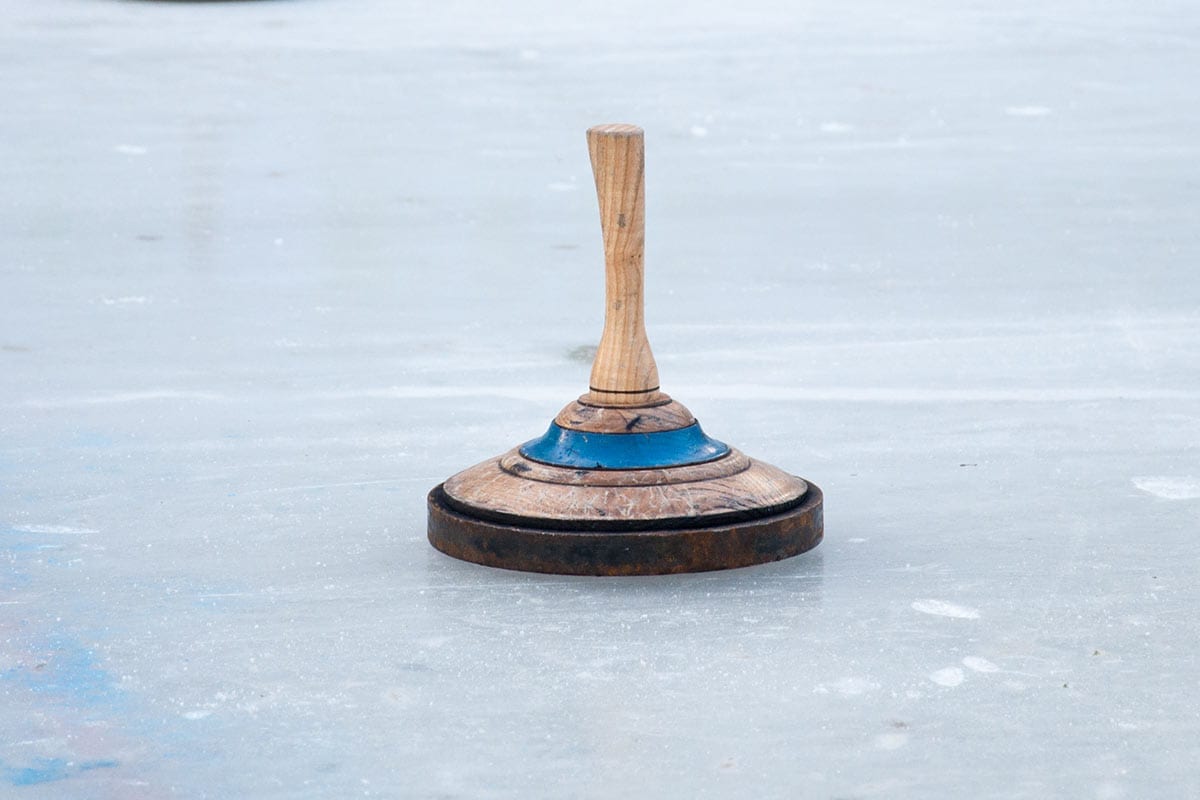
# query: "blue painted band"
[563,447]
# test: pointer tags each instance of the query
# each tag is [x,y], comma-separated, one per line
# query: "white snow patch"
[848,686]
[562,186]
[891,741]
[979,664]
[940,608]
[1170,488]
[699,131]
[53,529]
[199,713]
[128,300]
[950,677]
[130,150]
[836,127]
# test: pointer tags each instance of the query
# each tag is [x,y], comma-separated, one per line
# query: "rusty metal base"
[634,552]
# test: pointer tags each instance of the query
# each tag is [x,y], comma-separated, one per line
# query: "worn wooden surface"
[624,372]
[541,494]
[666,415]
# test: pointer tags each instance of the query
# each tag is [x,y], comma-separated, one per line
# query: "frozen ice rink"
[271,270]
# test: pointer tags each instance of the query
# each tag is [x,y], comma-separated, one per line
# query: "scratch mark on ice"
[64,529]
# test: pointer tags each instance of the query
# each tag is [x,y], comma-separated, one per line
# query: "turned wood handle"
[624,372]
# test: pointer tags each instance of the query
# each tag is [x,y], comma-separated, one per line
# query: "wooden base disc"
[627,552]
[519,491]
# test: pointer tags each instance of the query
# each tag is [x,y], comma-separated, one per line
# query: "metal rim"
[640,552]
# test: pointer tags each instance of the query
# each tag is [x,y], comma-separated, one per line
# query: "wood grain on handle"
[624,372]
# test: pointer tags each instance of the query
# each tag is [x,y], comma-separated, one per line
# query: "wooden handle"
[624,372]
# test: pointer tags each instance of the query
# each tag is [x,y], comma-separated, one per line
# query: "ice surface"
[271,270]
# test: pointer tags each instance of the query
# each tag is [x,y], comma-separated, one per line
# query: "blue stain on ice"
[70,673]
[42,770]
[58,668]
[46,770]
[17,545]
